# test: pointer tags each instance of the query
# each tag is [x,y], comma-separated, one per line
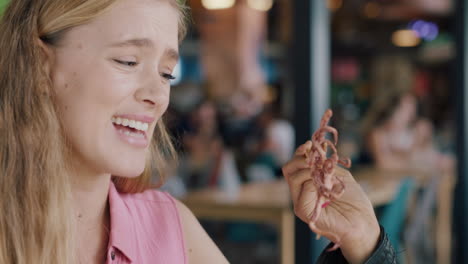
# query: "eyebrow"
[144,42]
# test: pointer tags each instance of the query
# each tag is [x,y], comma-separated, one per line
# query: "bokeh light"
[334,5]
[424,29]
[372,10]
[261,5]
[218,4]
[405,38]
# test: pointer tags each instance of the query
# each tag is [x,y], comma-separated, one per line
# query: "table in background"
[270,202]
[260,202]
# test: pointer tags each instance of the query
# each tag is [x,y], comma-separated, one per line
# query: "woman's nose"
[153,92]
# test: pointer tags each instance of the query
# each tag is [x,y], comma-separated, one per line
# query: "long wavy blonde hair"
[36,223]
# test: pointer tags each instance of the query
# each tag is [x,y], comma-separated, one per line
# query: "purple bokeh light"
[424,29]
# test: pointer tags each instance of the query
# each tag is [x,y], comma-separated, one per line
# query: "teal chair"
[392,216]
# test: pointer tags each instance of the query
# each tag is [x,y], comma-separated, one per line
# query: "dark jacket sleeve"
[383,254]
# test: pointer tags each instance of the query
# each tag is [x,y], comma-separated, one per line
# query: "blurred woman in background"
[398,139]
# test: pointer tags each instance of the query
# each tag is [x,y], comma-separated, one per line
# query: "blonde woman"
[83,87]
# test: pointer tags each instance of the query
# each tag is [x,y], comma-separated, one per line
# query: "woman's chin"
[129,173]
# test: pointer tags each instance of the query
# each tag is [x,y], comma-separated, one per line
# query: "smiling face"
[405,113]
[112,81]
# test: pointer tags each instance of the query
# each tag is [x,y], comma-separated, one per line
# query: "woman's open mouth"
[131,131]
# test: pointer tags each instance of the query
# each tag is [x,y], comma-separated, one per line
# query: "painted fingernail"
[325,204]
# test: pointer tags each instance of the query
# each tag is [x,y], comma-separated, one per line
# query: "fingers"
[294,165]
[310,195]
[316,212]
[295,183]
[343,174]
[302,149]
[328,234]
[299,161]
[305,204]
[302,174]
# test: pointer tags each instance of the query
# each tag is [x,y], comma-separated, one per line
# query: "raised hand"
[348,220]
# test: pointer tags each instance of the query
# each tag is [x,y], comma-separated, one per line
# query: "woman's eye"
[168,76]
[127,63]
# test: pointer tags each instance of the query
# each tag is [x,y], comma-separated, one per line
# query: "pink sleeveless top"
[145,228]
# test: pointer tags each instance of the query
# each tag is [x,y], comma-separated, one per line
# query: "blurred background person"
[400,139]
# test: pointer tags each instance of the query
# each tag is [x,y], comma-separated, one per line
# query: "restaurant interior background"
[390,74]
[388,71]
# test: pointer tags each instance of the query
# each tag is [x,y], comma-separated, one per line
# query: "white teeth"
[138,125]
[130,123]
[133,134]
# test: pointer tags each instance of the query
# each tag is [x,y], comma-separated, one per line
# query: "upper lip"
[138,117]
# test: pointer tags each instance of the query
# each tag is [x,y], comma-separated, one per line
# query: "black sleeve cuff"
[383,253]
